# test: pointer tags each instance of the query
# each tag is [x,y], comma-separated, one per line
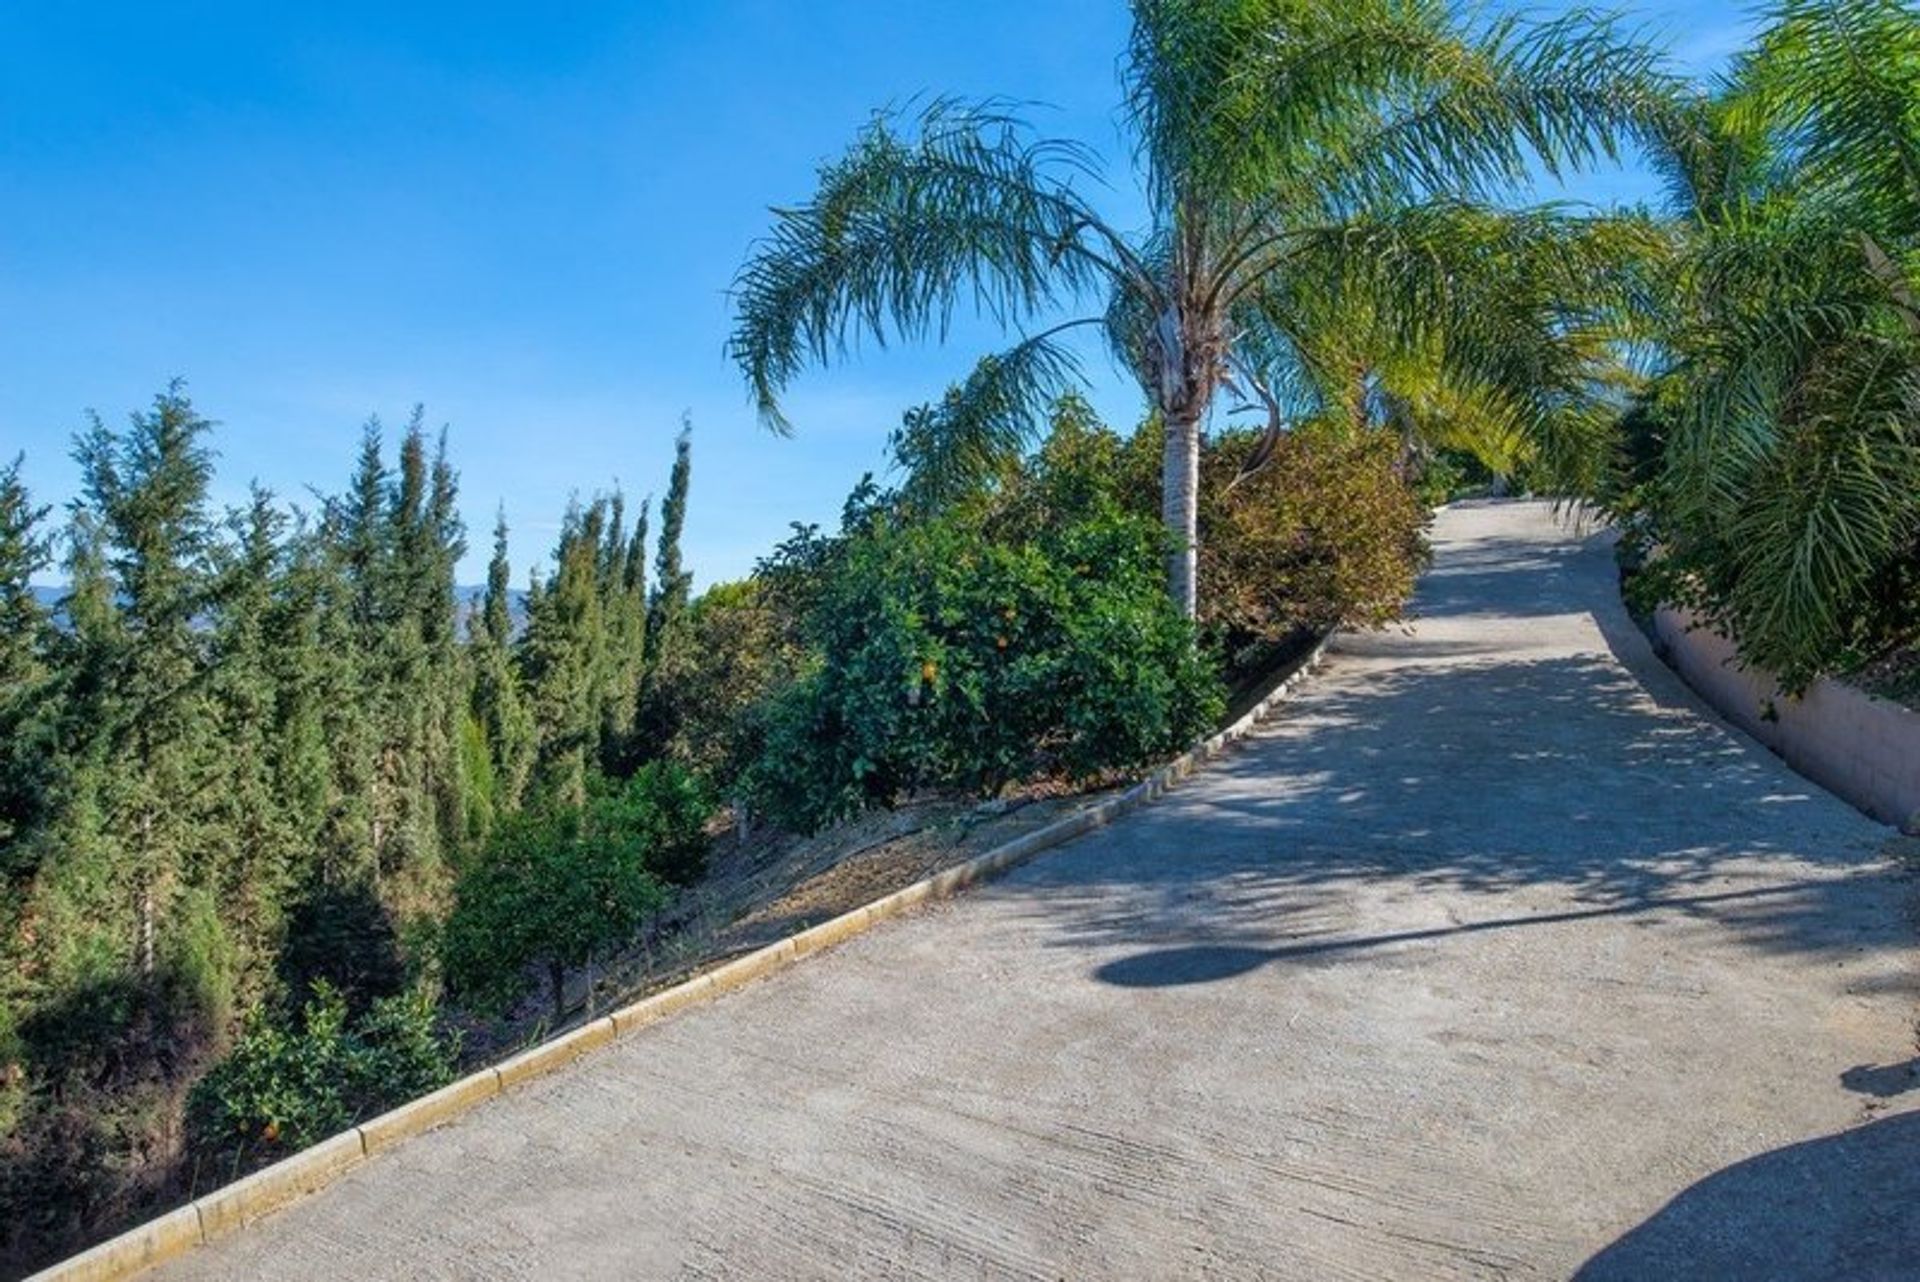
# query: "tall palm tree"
[1304,162]
[1787,490]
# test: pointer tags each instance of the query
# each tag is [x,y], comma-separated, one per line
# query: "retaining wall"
[1855,745]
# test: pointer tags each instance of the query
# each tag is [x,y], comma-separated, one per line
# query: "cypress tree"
[360,534]
[24,552]
[672,584]
[623,615]
[659,714]
[499,703]
[145,494]
[316,707]
[448,681]
[351,578]
[254,833]
[563,659]
[403,782]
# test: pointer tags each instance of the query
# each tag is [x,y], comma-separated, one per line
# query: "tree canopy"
[1328,185]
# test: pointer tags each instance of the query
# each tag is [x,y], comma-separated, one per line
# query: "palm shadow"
[1842,1206]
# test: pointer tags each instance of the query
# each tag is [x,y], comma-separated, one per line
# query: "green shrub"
[559,885]
[1328,532]
[284,1087]
[665,808]
[948,657]
[198,965]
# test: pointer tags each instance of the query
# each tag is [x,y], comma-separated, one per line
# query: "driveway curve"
[1493,956]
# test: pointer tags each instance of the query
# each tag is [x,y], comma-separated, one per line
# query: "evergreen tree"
[660,714]
[399,539]
[404,781]
[352,570]
[623,615]
[255,836]
[499,703]
[360,533]
[24,552]
[145,492]
[447,682]
[563,659]
[627,643]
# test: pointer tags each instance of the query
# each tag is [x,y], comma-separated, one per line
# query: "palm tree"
[1786,493]
[1305,162]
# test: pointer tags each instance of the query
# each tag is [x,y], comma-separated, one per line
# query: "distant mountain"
[470,596]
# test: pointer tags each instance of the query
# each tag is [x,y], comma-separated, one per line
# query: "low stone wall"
[1860,747]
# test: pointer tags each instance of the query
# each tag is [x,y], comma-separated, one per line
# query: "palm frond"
[1337,104]
[1839,499]
[962,207]
[1495,107]
[983,425]
[1837,83]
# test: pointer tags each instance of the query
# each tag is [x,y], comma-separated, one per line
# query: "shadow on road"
[1207,963]
[1884,1081]
[1558,773]
[1842,1206]
[1494,751]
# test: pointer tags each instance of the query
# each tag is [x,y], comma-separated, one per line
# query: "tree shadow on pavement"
[1557,774]
[1590,778]
[1525,577]
[1842,1206]
[1884,1081]
[1208,963]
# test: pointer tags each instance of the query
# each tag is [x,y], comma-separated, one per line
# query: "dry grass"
[773,884]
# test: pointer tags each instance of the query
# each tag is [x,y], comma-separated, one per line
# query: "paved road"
[1492,957]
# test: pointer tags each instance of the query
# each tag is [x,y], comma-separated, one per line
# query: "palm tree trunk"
[1180,508]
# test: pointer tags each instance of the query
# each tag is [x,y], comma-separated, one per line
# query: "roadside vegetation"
[288,817]
[1769,470]
[293,829]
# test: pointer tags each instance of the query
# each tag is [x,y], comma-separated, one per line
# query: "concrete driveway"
[1493,956]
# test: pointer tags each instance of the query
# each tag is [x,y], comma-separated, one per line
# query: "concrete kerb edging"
[227,1209]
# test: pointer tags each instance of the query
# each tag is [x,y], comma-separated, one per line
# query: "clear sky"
[524,216]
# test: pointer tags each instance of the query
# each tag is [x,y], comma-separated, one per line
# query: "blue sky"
[523,216]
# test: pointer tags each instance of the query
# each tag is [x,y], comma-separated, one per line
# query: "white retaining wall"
[1863,748]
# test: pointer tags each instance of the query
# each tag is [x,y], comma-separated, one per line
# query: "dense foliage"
[558,886]
[1323,526]
[1329,532]
[968,636]
[948,657]
[286,1085]
[1774,461]
[251,767]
